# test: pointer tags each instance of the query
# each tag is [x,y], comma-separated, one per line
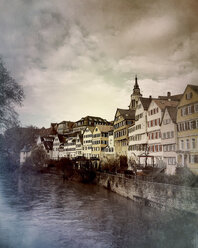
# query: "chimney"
[168,94]
[150,97]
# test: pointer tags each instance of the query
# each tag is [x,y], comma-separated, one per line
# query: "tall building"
[89,121]
[155,113]
[138,138]
[100,139]
[187,123]
[169,138]
[135,95]
[87,142]
[124,118]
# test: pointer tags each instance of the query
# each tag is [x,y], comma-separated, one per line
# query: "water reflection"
[43,211]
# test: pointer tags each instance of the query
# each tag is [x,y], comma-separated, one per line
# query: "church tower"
[135,95]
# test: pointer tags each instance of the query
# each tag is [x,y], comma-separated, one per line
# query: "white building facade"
[87,142]
[70,147]
[169,138]
[138,137]
[155,112]
[79,145]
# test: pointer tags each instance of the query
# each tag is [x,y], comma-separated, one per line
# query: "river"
[44,211]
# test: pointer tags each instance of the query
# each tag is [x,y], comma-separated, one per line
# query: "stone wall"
[151,193]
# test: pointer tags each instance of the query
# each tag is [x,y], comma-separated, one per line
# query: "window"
[193,144]
[172,161]
[196,107]
[182,145]
[187,144]
[189,110]
[189,95]
[193,159]
[183,111]
[156,148]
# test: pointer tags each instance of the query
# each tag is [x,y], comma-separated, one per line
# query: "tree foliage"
[11,93]
[38,156]
[14,139]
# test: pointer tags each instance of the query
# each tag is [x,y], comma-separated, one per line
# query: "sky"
[79,57]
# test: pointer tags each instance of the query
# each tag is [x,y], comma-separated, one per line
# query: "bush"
[123,163]
[110,164]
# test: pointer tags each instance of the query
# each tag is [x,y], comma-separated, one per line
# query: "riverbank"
[147,193]
[158,195]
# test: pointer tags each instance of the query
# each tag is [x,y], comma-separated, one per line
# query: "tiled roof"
[172,112]
[127,114]
[194,87]
[93,118]
[69,123]
[172,98]
[104,128]
[91,128]
[162,104]
[145,102]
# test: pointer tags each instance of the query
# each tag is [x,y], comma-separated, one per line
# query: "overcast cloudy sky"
[79,57]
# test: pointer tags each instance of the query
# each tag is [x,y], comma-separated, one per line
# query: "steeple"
[135,95]
[136,89]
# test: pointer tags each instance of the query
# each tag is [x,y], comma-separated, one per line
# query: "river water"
[44,211]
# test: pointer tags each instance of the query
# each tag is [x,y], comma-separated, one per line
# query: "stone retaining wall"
[151,193]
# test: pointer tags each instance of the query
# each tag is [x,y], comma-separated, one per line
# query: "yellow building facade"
[100,139]
[124,118]
[187,125]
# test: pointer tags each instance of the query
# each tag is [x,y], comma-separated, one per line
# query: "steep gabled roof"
[145,102]
[172,112]
[48,145]
[104,128]
[194,87]
[90,128]
[127,114]
[61,138]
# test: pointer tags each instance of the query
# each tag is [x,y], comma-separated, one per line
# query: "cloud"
[79,57]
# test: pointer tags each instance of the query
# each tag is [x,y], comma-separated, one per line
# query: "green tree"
[15,138]
[11,94]
[38,157]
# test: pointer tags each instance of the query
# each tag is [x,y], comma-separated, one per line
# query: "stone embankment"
[153,194]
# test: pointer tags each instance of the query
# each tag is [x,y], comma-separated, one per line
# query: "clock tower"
[135,95]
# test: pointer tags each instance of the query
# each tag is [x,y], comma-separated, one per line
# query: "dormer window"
[188,96]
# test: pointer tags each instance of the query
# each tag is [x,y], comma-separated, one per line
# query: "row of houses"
[161,131]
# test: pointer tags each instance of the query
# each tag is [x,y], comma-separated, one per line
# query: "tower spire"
[136,86]
[135,95]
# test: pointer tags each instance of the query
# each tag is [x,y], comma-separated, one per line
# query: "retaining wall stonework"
[151,193]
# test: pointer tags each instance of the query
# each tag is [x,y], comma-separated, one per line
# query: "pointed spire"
[136,86]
